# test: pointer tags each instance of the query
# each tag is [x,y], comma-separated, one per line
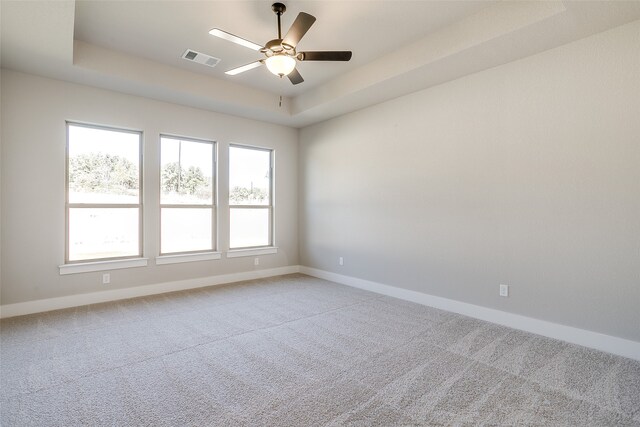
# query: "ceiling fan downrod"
[279,9]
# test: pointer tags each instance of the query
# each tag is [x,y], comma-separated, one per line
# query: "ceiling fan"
[281,55]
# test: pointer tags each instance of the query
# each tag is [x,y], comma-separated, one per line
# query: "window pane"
[103,233]
[185,230]
[249,180]
[249,227]
[103,165]
[186,172]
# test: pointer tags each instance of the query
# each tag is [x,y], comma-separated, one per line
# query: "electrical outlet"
[341,261]
[106,278]
[504,290]
[256,261]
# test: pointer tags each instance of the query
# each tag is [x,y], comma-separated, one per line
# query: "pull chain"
[280,103]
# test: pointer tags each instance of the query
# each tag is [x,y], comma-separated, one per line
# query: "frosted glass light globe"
[281,65]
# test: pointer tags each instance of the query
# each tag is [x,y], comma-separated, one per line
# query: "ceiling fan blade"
[325,56]
[298,29]
[235,39]
[295,77]
[249,66]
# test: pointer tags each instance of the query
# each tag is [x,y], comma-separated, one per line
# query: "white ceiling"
[398,47]
[161,31]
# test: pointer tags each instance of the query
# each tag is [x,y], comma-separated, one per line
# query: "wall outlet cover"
[504,290]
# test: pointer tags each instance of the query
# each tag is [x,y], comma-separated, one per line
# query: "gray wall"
[34,111]
[526,174]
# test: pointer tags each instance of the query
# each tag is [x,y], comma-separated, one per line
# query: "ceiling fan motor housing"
[273,46]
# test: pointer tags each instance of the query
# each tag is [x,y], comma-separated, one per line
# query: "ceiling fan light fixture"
[281,65]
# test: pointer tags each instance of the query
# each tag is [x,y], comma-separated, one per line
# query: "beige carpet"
[298,351]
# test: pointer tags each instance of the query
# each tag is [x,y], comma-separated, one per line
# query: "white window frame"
[138,205]
[270,206]
[183,256]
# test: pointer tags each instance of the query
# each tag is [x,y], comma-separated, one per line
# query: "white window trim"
[87,267]
[270,207]
[138,205]
[175,259]
[237,253]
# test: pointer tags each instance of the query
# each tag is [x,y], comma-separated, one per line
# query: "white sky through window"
[96,140]
[192,153]
[249,166]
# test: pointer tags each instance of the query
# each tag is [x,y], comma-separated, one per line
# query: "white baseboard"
[595,340]
[38,306]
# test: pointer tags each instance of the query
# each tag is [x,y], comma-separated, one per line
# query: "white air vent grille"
[200,58]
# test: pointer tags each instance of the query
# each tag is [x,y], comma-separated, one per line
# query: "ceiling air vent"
[200,58]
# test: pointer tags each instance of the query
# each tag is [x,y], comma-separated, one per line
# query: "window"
[250,197]
[103,193]
[187,198]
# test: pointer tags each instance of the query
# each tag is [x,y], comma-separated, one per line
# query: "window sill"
[175,259]
[237,253]
[87,267]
